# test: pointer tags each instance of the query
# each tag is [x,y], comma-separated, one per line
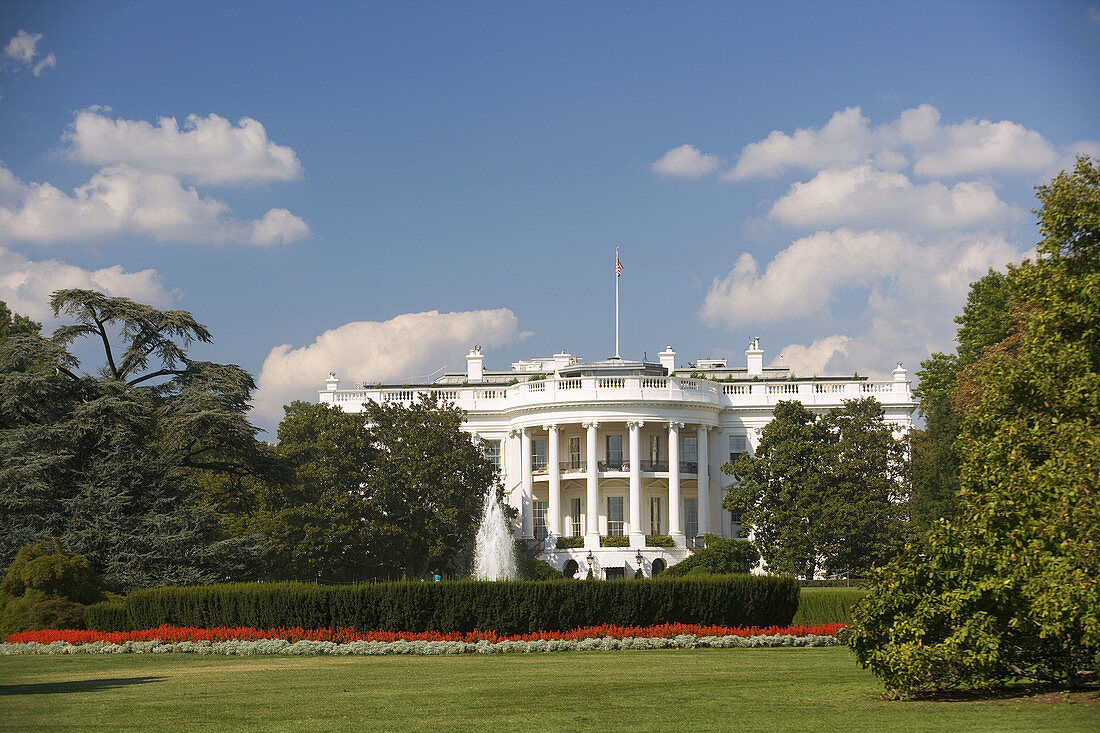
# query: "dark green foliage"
[110,615]
[1008,588]
[658,540]
[45,586]
[545,571]
[719,556]
[108,461]
[614,541]
[466,605]
[824,494]
[568,543]
[826,605]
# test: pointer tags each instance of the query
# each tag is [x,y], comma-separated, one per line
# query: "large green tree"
[1010,588]
[106,460]
[935,459]
[14,324]
[823,494]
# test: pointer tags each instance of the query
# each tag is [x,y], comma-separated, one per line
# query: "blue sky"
[827,176]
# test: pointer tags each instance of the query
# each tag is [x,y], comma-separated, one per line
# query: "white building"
[610,452]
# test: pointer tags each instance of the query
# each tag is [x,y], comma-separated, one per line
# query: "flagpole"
[616,302]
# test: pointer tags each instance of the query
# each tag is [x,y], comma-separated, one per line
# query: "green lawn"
[702,689]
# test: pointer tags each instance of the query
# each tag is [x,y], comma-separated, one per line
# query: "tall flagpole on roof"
[618,272]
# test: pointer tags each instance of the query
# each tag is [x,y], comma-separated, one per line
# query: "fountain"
[494,554]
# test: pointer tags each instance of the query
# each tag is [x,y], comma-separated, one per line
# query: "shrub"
[719,556]
[617,541]
[827,605]
[46,587]
[465,605]
[110,615]
[569,543]
[658,540]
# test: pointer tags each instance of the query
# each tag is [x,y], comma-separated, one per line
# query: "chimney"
[668,359]
[754,357]
[474,364]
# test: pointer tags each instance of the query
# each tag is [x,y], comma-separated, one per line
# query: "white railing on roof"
[640,388]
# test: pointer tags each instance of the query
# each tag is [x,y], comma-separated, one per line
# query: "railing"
[571,466]
[539,467]
[634,387]
[654,465]
[611,465]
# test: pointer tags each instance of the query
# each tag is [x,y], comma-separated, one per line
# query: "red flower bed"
[342,636]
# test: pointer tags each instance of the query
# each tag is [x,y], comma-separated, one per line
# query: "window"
[738,445]
[615,516]
[655,515]
[654,448]
[575,510]
[691,449]
[691,517]
[540,520]
[735,525]
[575,452]
[492,452]
[539,455]
[614,573]
[614,452]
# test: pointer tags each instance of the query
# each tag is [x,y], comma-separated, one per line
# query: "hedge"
[826,605]
[465,605]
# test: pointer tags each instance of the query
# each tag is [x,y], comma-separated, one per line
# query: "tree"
[935,459]
[427,482]
[823,494]
[107,461]
[46,587]
[13,324]
[317,517]
[1009,588]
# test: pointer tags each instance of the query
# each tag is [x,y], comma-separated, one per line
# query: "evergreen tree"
[106,461]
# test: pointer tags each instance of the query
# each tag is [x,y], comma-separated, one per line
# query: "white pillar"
[528,483]
[637,531]
[675,518]
[592,500]
[704,482]
[553,509]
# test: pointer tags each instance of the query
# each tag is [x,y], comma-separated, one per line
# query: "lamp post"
[639,560]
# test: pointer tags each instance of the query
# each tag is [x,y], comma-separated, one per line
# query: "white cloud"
[26,285]
[121,200]
[378,351]
[206,150]
[686,161]
[918,134]
[845,139]
[49,61]
[815,358]
[869,197]
[914,287]
[22,46]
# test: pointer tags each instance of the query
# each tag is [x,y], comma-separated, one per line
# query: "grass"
[697,690]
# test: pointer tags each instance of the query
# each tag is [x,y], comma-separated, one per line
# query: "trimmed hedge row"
[465,605]
[826,605]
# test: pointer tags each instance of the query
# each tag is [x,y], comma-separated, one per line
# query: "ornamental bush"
[507,607]
[720,555]
[827,605]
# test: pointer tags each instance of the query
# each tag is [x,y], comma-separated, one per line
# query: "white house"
[622,452]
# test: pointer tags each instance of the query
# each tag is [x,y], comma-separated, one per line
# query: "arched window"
[570,569]
[658,566]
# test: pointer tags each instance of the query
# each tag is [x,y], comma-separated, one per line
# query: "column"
[637,531]
[553,510]
[592,500]
[528,483]
[704,482]
[675,518]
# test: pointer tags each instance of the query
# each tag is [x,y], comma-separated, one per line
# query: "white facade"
[624,449]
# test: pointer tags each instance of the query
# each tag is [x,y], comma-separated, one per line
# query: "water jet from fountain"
[494,553]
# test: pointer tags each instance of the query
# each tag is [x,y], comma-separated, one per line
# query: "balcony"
[572,466]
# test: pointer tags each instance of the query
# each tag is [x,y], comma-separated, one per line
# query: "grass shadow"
[93,685]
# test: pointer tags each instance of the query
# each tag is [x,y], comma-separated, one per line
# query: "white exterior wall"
[503,413]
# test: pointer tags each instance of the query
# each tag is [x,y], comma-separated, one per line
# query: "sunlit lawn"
[702,689]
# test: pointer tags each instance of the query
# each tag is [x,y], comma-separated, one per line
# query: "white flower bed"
[373,648]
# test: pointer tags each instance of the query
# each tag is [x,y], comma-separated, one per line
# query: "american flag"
[618,267]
